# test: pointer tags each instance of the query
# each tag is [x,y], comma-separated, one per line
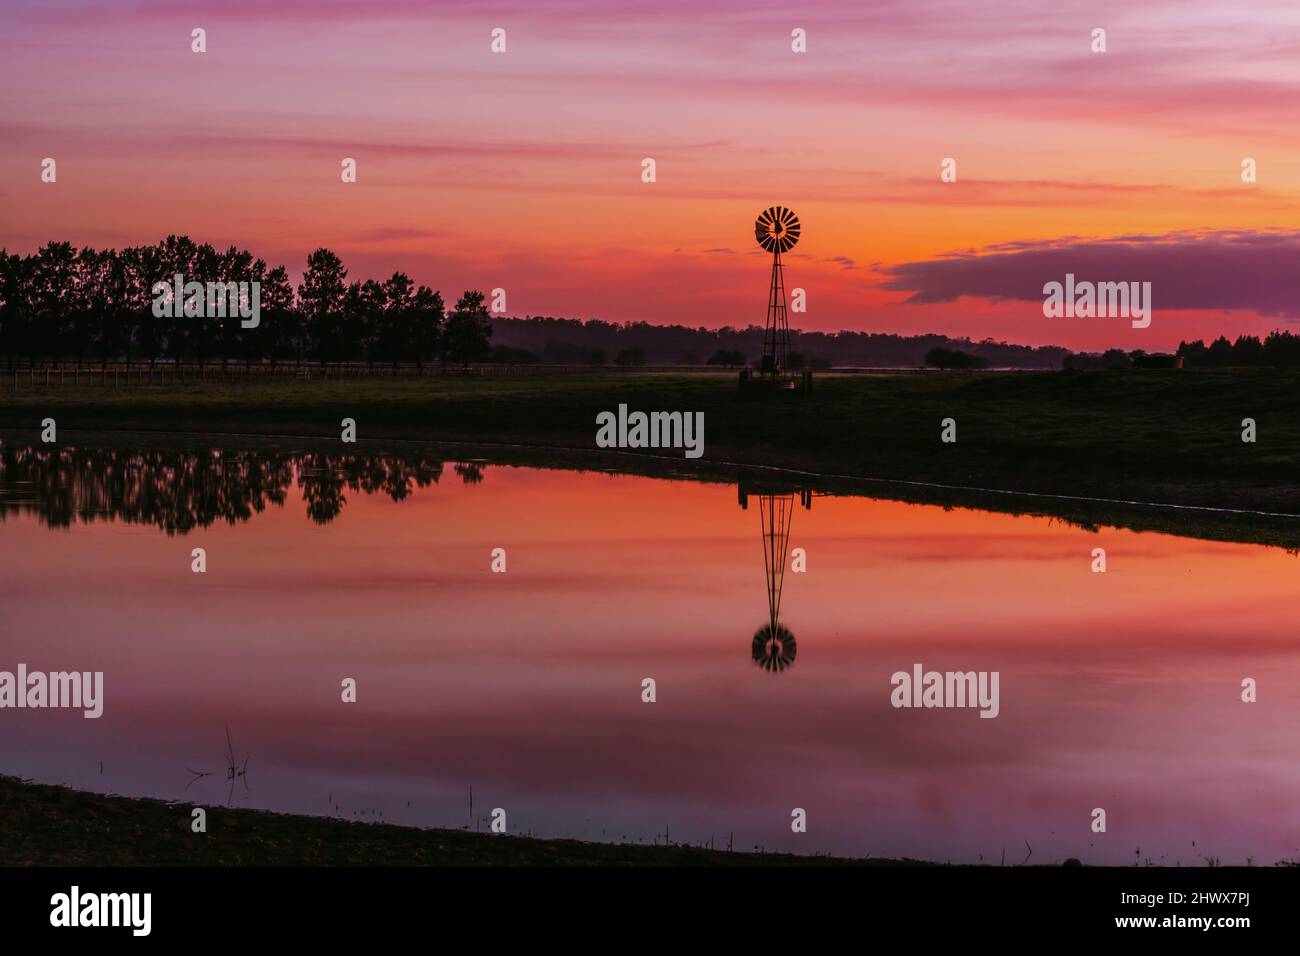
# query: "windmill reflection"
[774,646]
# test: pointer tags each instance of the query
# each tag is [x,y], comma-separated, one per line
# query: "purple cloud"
[1255,271]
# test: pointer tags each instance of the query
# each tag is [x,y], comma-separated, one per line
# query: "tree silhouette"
[61,303]
[280,330]
[630,358]
[141,267]
[728,357]
[469,327]
[426,318]
[320,295]
[394,324]
[53,288]
[363,310]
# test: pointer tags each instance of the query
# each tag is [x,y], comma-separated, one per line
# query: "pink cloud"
[1245,270]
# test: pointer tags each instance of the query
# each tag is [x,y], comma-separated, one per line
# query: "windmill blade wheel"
[776,229]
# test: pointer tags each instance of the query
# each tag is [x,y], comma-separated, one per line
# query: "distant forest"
[64,304]
[1278,349]
[569,341]
[1275,349]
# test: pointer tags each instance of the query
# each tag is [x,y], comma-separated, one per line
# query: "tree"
[395,317]
[52,279]
[1116,358]
[425,320]
[236,265]
[15,304]
[361,333]
[629,358]
[1282,349]
[1247,350]
[140,267]
[943,358]
[469,327]
[280,329]
[1220,352]
[97,302]
[728,357]
[1192,353]
[320,295]
[176,255]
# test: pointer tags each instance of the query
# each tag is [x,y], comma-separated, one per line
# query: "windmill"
[776,230]
[773,647]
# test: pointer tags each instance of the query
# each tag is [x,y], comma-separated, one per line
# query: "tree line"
[566,341]
[596,342]
[1278,349]
[62,304]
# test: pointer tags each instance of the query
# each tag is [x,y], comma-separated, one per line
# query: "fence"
[117,375]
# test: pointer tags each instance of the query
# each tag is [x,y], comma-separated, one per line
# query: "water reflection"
[527,686]
[774,647]
[179,491]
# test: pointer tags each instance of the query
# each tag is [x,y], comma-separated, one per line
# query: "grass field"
[1151,435]
[44,825]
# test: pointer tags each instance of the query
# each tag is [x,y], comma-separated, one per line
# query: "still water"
[1119,691]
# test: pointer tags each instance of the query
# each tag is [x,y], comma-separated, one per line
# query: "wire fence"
[121,375]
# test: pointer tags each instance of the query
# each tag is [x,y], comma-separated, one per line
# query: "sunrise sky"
[523,170]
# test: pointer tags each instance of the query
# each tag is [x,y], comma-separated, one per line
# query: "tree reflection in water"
[179,491]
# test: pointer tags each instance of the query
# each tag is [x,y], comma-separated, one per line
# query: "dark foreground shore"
[44,825]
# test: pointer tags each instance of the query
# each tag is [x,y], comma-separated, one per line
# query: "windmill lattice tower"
[776,230]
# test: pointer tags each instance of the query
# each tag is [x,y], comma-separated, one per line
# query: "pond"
[526,689]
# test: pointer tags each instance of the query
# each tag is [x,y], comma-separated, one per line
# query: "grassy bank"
[1155,435]
[53,826]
